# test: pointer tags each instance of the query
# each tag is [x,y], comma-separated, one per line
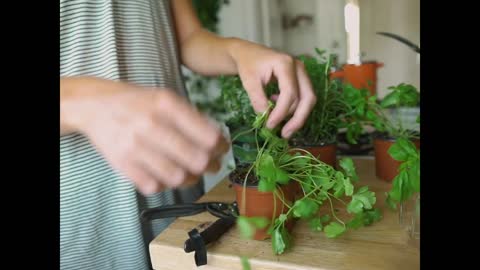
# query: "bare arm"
[209,54]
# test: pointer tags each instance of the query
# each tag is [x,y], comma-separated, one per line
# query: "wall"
[242,19]
[398,17]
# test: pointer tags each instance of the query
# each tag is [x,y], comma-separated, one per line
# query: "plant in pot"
[353,137]
[405,191]
[388,128]
[281,186]
[319,133]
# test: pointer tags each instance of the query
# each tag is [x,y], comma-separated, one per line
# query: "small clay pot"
[261,204]
[325,152]
[386,167]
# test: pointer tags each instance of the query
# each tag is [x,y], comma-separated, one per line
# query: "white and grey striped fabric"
[129,40]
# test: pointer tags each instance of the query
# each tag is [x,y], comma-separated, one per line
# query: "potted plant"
[319,133]
[405,191]
[389,127]
[297,186]
[352,137]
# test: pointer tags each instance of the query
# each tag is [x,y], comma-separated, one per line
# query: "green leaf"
[390,202]
[306,185]
[339,185]
[402,149]
[356,222]
[364,218]
[315,224]
[273,226]
[246,229]
[351,135]
[390,99]
[401,189]
[280,240]
[300,162]
[266,185]
[395,193]
[266,133]
[355,206]
[325,218]
[282,217]
[284,159]
[349,167]
[360,109]
[243,137]
[401,95]
[258,222]
[266,167]
[321,178]
[414,175]
[370,115]
[320,197]
[281,176]
[245,263]
[339,191]
[305,208]
[363,199]
[248,225]
[372,216]
[348,186]
[334,229]
[243,154]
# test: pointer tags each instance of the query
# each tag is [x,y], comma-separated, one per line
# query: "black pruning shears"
[198,241]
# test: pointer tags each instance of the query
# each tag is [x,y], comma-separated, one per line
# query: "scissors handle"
[211,234]
[175,210]
[189,209]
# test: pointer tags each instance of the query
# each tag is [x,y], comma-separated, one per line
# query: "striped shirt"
[127,40]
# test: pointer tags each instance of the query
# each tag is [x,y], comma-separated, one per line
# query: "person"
[126,123]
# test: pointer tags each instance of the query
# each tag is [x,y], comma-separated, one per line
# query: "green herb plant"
[369,111]
[407,182]
[277,164]
[331,108]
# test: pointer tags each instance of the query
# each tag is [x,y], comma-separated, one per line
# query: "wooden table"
[384,245]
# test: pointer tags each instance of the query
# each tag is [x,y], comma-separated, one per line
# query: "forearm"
[76,93]
[200,50]
[208,54]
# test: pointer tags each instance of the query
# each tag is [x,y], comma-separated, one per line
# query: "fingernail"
[287,134]
[270,124]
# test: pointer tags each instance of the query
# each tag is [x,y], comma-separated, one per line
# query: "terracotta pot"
[261,204]
[326,153]
[363,76]
[385,166]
